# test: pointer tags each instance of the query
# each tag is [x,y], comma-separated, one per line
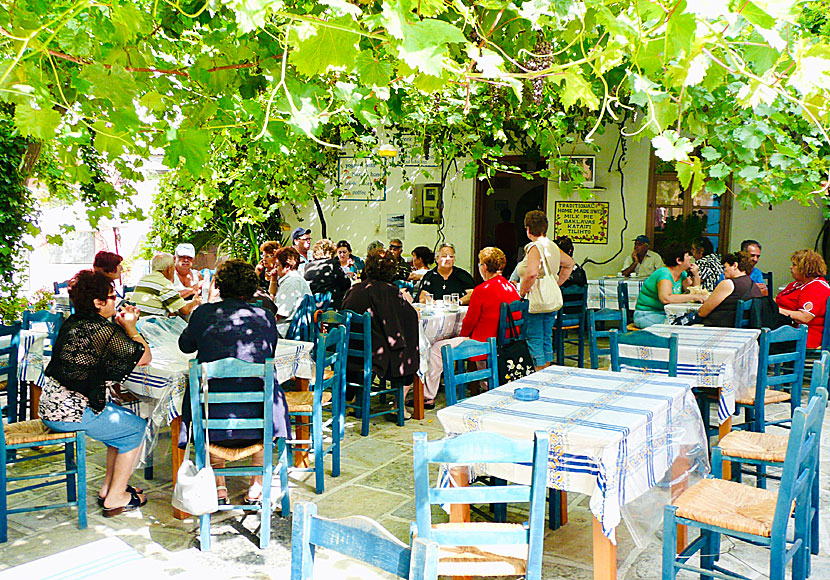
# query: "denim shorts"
[646,318]
[540,337]
[114,427]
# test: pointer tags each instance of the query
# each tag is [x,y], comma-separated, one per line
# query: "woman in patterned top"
[708,262]
[90,354]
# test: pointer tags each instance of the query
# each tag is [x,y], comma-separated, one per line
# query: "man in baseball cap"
[186,280]
[301,238]
[642,261]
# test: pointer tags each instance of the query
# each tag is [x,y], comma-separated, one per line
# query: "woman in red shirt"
[805,298]
[482,319]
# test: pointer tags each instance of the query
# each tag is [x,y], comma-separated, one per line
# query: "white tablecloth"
[602,293]
[725,358]
[675,311]
[613,436]
[438,325]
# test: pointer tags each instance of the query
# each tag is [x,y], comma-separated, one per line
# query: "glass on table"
[428,299]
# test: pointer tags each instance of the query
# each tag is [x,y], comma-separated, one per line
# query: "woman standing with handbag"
[542,271]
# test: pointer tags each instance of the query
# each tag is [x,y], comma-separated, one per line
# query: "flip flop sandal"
[255,499]
[222,499]
[134,503]
[130,489]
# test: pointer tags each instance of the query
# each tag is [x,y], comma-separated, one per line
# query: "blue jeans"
[114,427]
[646,318]
[540,337]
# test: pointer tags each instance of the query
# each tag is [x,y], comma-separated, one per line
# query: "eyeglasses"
[112,297]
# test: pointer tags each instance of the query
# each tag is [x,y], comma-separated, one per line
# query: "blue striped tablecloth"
[30,361]
[613,436]
[602,293]
[717,358]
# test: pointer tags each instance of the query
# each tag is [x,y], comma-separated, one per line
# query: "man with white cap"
[185,279]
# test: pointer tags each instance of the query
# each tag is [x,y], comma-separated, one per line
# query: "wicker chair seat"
[234,454]
[750,445]
[303,401]
[33,431]
[770,396]
[729,505]
[494,560]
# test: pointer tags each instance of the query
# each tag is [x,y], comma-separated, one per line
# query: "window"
[673,214]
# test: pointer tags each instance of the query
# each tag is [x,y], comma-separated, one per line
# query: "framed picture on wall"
[588,164]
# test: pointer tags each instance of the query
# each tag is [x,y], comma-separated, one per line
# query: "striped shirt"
[155,296]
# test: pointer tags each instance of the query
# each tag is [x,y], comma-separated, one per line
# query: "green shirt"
[648,299]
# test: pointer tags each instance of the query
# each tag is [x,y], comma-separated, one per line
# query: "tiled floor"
[376,481]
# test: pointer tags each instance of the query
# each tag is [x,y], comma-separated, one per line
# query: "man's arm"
[629,266]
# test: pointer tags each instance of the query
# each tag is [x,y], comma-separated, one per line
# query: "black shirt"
[458,283]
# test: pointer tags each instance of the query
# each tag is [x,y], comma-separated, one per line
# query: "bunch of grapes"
[542,59]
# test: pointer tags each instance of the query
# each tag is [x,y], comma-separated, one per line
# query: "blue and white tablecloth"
[717,358]
[30,361]
[675,311]
[602,293]
[436,325]
[613,436]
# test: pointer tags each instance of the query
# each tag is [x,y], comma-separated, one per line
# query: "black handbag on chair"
[514,357]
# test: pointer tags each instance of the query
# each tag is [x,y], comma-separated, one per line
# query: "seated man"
[154,294]
[642,262]
[185,279]
[402,267]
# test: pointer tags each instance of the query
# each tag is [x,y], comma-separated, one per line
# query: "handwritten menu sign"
[585,222]
[361,179]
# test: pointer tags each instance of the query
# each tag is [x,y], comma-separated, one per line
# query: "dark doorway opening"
[511,194]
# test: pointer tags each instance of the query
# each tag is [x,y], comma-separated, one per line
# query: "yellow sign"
[585,222]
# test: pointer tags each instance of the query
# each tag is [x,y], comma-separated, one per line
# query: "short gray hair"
[162,261]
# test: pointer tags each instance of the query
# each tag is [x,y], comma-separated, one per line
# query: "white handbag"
[195,491]
[544,295]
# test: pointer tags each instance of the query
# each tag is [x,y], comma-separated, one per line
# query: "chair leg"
[80,462]
[554,509]
[335,446]
[204,532]
[761,476]
[366,408]
[4,533]
[282,452]
[71,465]
[265,506]
[669,543]
[317,446]
[707,553]
[399,397]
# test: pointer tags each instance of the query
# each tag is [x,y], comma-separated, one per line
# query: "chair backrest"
[574,303]
[484,447]
[325,319]
[9,370]
[60,285]
[778,347]
[360,341]
[405,285]
[622,295]
[224,369]
[330,353]
[301,323]
[820,374]
[360,538]
[461,354]
[742,311]
[519,307]
[768,280]
[322,300]
[52,320]
[825,334]
[800,463]
[603,316]
[645,342]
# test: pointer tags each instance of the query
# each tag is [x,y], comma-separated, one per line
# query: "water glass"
[428,300]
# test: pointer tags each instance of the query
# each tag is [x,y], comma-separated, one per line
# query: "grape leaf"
[425,45]
[194,146]
[328,47]
[37,123]
[669,146]
[680,32]
[577,90]
[690,173]
[372,70]
[757,16]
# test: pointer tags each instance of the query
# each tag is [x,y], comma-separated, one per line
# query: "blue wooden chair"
[360,348]
[815,353]
[645,339]
[323,322]
[460,355]
[323,301]
[405,285]
[571,317]
[780,375]
[9,369]
[757,516]
[61,285]
[235,368]
[329,353]
[742,313]
[52,320]
[768,281]
[303,320]
[359,538]
[602,316]
[504,334]
[527,538]
[622,302]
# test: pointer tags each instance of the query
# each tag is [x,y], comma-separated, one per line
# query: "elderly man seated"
[186,280]
[154,295]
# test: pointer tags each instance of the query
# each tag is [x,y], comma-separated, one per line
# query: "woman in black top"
[235,328]
[719,309]
[90,354]
[446,278]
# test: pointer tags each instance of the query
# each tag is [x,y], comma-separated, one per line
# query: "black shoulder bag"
[514,357]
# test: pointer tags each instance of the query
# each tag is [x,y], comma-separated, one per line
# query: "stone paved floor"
[376,481]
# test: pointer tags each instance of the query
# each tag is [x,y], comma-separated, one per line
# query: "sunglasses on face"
[112,297]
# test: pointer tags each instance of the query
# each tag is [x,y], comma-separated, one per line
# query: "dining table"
[676,311]
[602,292]
[614,436]
[30,367]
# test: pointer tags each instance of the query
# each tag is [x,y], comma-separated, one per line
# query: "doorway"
[499,216]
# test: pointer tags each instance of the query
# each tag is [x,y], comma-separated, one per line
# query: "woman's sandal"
[254,499]
[130,489]
[222,497]
[134,503]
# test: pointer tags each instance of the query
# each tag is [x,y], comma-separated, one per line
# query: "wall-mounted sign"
[585,222]
[361,179]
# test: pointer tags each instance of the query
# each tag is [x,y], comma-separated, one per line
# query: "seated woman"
[394,324]
[578,276]
[324,273]
[108,264]
[266,264]
[482,319]
[708,262]
[422,259]
[352,265]
[215,331]
[446,278]
[804,299]
[719,309]
[665,286]
[90,354]
[288,287]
